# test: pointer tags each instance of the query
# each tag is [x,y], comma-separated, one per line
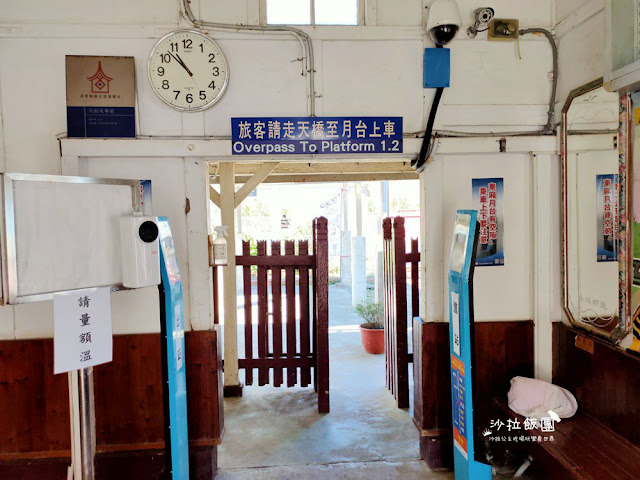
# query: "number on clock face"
[188,71]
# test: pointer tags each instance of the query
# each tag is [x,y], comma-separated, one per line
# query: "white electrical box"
[140,252]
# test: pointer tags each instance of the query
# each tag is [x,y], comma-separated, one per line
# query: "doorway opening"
[279,427]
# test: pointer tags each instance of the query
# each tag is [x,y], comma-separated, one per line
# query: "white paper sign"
[82,334]
[455,318]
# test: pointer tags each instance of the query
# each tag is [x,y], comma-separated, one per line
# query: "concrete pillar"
[379,277]
[359,270]
[345,258]
[358,209]
[384,210]
[227,208]
[384,196]
[344,200]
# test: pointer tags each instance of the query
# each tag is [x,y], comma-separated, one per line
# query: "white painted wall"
[500,292]
[528,286]
[580,37]
[366,70]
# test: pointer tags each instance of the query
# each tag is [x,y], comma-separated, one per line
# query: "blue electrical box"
[461,266]
[437,67]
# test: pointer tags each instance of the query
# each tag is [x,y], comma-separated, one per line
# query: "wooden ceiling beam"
[322,168]
[253,181]
[329,177]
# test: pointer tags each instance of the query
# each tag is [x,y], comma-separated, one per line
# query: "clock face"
[188,71]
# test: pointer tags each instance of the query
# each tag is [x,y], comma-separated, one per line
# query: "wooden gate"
[299,324]
[395,260]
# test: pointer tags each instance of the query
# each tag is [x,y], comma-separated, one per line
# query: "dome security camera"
[443,21]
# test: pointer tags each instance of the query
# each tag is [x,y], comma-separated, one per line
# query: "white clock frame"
[219,58]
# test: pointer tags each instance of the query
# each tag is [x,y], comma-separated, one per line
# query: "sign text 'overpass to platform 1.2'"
[316,135]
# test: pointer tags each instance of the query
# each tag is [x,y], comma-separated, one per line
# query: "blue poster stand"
[462,347]
[174,378]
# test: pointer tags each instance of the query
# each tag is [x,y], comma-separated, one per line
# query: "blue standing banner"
[315,135]
[174,377]
[462,347]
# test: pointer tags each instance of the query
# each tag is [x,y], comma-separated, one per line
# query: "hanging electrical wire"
[426,149]
[306,43]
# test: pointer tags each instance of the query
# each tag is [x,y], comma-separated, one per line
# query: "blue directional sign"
[316,135]
[175,380]
[461,266]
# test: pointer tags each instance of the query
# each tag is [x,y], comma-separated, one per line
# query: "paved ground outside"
[277,432]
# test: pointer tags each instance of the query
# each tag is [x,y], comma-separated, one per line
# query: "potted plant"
[372,329]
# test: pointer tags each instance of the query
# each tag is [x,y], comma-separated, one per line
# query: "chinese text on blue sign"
[316,135]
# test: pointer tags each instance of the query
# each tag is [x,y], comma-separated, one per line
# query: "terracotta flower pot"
[372,339]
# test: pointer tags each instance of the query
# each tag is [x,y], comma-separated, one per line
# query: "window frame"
[361,4]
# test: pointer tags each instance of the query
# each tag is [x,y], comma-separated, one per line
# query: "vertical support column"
[200,275]
[379,272]
[322,305]
[359,267]
[345,258]
[542,278]
[358,255]
[345,238]
[232,386]
[358,209]
[432,255]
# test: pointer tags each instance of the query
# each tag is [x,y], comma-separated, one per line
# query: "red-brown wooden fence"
[395,261]
[300,331]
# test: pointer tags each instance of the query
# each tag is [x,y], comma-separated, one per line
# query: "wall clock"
[188,71]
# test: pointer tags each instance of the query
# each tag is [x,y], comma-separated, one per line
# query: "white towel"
[533,398]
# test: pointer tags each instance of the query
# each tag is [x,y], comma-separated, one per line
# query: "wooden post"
[402,364]
[387,298]
[314,301]
[263,319]
[305,343]
[276,292]
[322,286]
[248,313]
[232,386]
[290,288]
[415,287]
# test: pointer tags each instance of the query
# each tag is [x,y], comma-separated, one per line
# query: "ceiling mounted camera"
[481,16]
[443,21]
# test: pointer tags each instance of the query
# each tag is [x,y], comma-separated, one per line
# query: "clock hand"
[181,63]
[184,64]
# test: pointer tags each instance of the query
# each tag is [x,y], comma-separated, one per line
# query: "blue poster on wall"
[174,376]
[488,200]
[606,217]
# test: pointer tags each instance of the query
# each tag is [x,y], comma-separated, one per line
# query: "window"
[312,12]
